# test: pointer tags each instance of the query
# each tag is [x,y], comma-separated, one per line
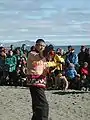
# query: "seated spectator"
[76,84]
[59,59]
[61,81]
[50,70]
[84,70]
[71,74]
[21,72]
[84,83]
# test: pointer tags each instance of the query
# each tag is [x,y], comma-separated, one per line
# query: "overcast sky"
[59,21]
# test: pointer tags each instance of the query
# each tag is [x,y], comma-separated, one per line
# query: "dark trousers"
[1,74]
[13,78]
[39,103]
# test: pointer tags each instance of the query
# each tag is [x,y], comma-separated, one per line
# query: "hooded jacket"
[11,61]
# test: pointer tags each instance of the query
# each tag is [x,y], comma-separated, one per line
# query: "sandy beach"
[15,104]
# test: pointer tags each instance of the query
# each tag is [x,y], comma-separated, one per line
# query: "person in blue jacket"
[71,74]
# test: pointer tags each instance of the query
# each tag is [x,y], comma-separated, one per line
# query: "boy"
[37,81]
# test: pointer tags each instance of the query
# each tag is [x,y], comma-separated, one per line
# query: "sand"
[15,104]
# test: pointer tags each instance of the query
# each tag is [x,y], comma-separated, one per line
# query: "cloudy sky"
[59,21]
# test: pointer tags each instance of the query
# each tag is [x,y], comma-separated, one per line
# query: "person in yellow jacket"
[58,59]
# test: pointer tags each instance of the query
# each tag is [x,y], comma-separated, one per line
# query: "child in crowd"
[84,76]
[84,83]
[71,74]
[50,70]
[21,71]
[60,81]
[77,82]
[84,70]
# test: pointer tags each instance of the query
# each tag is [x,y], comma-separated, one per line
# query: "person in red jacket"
[84,69]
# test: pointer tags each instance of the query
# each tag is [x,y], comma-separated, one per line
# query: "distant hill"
[20,43]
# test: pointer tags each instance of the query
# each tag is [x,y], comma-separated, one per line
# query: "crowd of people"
[67,70]
[13,66]
[43,67]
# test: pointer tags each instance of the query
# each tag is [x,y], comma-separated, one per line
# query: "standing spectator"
[23,48]
[72,57]
[17,54]
[32,48]
[69,49]
[87,58]
[2,64]
[81,56]
[12,47]
[11,61]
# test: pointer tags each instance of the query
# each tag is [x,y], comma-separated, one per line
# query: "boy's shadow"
[70,92]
